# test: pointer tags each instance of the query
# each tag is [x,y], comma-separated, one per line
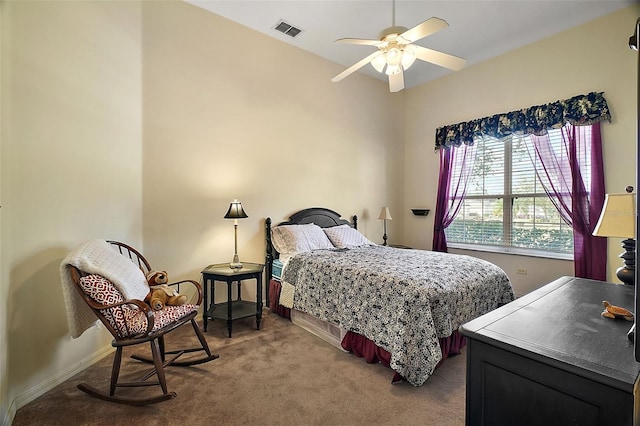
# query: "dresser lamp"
[618,219]
[385,216]
[235,212]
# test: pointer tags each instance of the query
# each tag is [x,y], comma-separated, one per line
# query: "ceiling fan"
[397,52]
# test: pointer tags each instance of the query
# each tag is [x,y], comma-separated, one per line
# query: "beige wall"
[260,121]
[592,57]
[71,170]
[137,121]
[103,99]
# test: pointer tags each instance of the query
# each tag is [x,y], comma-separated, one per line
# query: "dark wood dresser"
[550,358]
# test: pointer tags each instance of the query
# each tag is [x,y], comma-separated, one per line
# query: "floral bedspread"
[403,300]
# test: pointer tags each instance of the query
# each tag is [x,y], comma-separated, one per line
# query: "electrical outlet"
[521,271]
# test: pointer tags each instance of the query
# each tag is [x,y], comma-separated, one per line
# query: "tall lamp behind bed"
[385,215]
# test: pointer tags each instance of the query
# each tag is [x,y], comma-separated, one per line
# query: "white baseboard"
[10,414]
[41,388]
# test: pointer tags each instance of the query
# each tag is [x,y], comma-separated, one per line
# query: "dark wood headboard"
[322,217]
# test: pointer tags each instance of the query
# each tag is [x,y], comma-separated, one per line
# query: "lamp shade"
[235,211]
[384,214]
[618,217]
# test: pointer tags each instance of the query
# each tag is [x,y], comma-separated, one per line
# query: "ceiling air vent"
[287,28]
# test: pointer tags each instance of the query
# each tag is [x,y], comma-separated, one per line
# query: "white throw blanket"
[287,292]
[100,258]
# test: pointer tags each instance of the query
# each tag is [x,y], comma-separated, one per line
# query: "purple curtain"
[452,187]
[561,173]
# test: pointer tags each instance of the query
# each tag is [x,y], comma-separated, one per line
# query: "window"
[506,208]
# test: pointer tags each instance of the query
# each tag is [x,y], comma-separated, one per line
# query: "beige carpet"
[279,375]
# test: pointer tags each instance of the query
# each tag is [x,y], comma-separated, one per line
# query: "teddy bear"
[157,277]
[161,294]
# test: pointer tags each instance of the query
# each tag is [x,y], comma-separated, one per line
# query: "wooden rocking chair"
[133,322]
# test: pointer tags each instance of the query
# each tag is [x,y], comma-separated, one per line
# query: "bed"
[400,307]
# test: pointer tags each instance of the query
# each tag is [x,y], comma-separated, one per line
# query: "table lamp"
[618,219]
[235,212]
[384,216]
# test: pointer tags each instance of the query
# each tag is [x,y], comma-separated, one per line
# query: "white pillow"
[344,236]
[289,239]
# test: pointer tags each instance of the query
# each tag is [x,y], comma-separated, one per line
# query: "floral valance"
[579,110]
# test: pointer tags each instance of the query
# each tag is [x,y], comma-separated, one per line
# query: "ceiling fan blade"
[428,27]
[396,82]
[358,41]
[442,59]
[355,67]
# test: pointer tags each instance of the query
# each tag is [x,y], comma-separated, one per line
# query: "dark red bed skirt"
[363,347]
[274,297]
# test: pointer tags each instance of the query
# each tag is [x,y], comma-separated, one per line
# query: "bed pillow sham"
[344,236]
[290,239]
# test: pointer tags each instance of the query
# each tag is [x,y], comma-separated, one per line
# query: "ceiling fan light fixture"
[408,57]
[394,56]
[379,62]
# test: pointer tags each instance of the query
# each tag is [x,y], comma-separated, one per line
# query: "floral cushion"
[100,290]
[128,320]
[169,314]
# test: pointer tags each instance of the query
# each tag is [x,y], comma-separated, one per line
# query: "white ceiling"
[478,29]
